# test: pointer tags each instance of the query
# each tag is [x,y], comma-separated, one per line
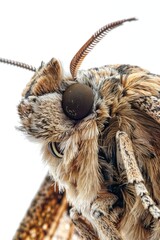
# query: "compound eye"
[55,149]
[77,101]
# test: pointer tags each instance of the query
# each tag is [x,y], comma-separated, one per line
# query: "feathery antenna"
[18,64]
[89,45]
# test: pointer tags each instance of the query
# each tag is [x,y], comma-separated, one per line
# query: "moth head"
[62,112]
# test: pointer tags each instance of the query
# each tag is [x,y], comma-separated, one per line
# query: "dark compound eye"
[77,101]
[55,150]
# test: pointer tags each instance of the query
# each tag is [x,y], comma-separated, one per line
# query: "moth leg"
[126,157]
[105,219]
[84,229]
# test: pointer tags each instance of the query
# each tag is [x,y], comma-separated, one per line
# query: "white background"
[32,31]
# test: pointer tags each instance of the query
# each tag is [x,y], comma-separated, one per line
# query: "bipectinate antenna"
[89,45]
[18,64]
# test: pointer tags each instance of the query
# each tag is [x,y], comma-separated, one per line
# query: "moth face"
[68,115]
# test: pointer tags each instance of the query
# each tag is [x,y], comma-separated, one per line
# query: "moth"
[100,133]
